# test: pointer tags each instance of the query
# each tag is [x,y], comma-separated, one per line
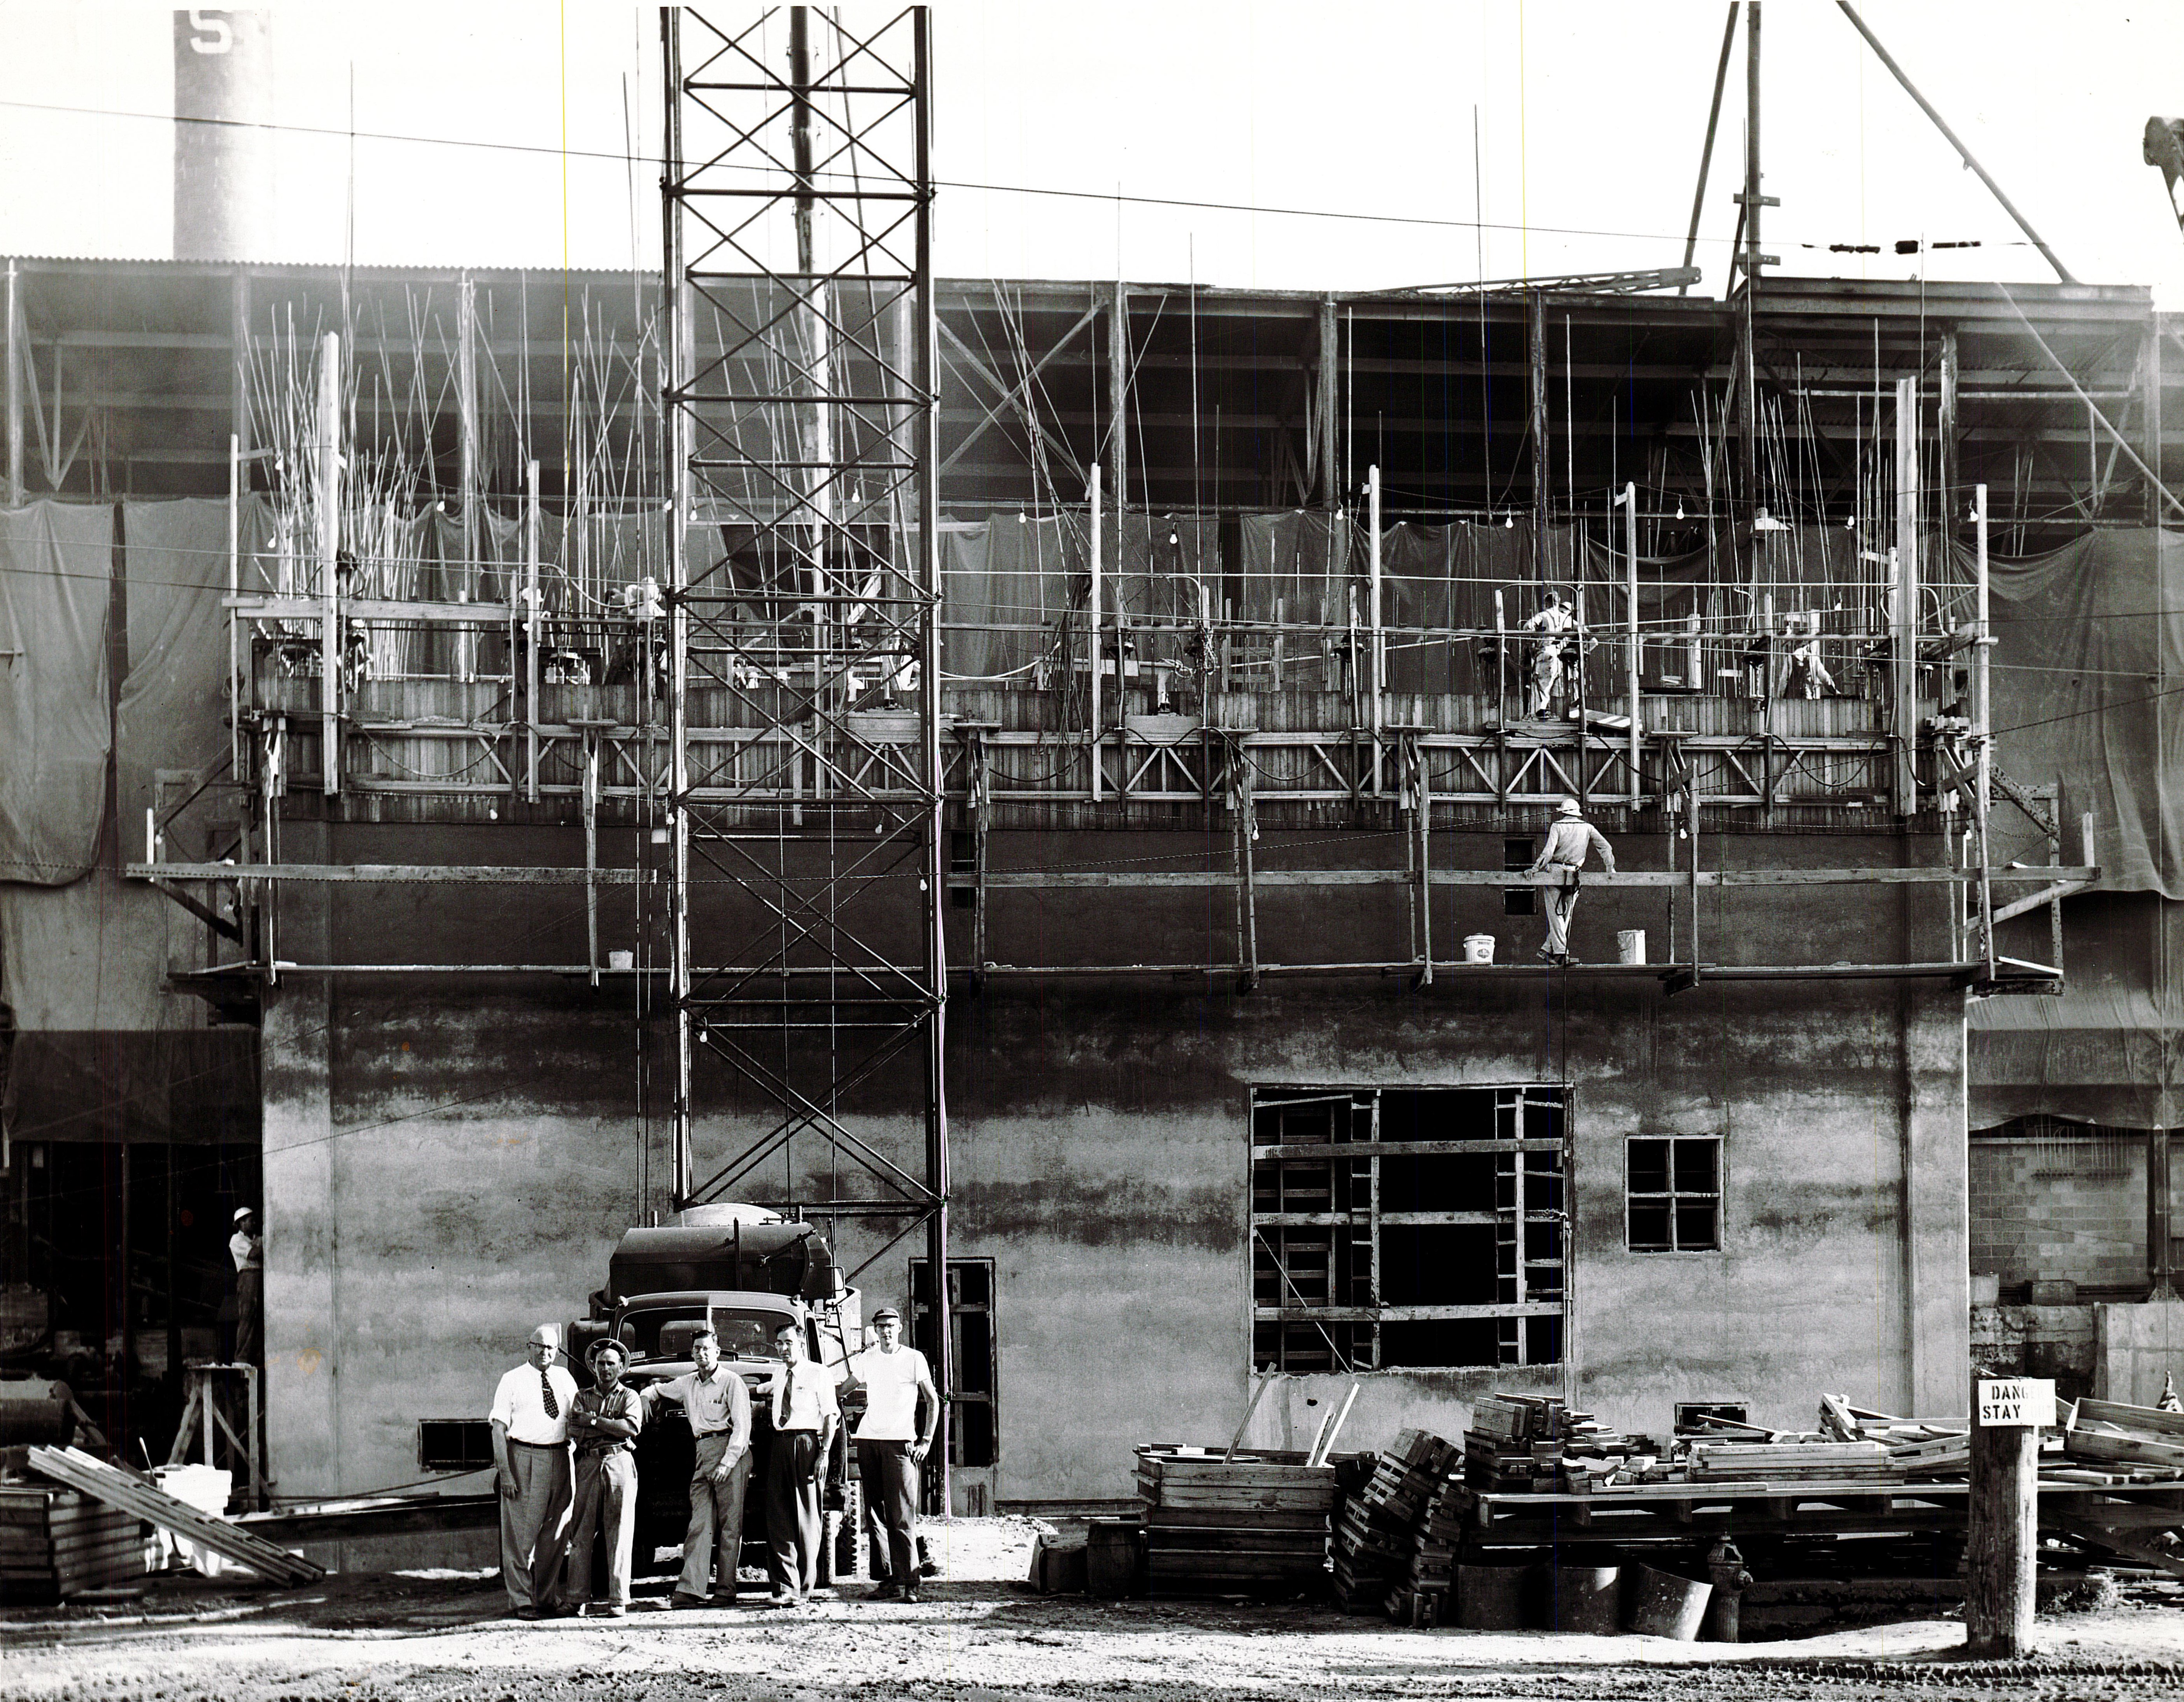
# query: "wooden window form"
[1671,1193]
[974,1434]
[1408,1227]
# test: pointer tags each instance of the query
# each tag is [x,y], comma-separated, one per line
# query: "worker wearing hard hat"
[246,1247]
[1568,841]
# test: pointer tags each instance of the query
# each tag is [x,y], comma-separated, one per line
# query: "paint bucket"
[1111,1558]
[1491,1598]
[1663,1605]
[1630,945]
[1479,948]
[621,960]
[1581,1600]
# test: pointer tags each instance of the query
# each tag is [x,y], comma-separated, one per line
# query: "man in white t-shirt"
[530,1419]
[902,1408]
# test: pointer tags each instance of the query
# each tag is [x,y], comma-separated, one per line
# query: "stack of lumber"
[2108,1434]
[1217,1525]
[1786,1462]
[129,1494]
[1376,1533]
[1524,1444]
[1423,1598]
[55,1543]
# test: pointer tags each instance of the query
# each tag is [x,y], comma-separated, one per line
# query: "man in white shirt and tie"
[805,1412]
[902,1408]
[529,1419]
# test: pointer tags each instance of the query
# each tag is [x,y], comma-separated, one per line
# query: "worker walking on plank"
[1552,623]
[1568,840]
[902,1409]
[529,1419]
[806,1412]
[718,1407]
[603,1421]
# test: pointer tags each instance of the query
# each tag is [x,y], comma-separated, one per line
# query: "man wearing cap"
[805,1412]
[1552,623]
[901,1410]
[718,1407]
[246,1247]
[603,1421]
[1568,840]
[530,1419]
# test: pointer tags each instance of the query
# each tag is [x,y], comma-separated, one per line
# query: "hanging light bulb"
[1508,523]
[1680,508]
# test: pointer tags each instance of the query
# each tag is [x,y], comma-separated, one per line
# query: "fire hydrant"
[1725,1568]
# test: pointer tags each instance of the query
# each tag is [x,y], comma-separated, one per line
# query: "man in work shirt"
[246,1247]
[806,1413]
[603,1421]
[718,1407]
[1567,841]
[530,1420]
[901,1410]
[1552,623]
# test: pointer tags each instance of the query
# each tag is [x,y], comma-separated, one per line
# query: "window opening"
[973,1430]
[1673,1193]
[1408,1227]
[1516,857]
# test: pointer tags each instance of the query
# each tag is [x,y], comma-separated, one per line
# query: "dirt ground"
[980,1636]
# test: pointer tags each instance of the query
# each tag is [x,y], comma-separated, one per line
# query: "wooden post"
[531,631]
[1540,570]
[14,357]
[2154,421]
[1631,639]
[2157,1216]
[466,424]
[329,551]
[1945,432]
[1904,728]
[1983,759]
[1380,642]
[2003,1536]
[1330,474]
[1092,624]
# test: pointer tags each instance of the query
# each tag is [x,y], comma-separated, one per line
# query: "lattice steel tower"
[804,783]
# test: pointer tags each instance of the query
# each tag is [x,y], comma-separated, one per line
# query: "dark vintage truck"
[745,1271]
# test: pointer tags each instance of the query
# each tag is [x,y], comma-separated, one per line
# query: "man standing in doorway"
[604,1423]
[246,1247]
[530,1419]
[1568,840]
[805,1412]
[718,1407]
[902,1408]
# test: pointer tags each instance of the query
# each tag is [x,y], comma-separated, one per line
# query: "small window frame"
[1672,1200]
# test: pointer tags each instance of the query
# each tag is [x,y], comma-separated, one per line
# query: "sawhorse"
[203,1380]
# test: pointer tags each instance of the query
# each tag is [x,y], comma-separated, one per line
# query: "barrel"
[1111,1558]
[1584,1600]
[1663,1605]
[1491,1598]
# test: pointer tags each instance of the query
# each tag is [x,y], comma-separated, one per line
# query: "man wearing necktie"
[806,1412]
[530,1419]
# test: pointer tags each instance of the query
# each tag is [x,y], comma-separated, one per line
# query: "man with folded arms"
[530,1419]
[603,1422]
[718,1407]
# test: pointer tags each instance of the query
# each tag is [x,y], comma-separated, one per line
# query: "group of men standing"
[553,1506]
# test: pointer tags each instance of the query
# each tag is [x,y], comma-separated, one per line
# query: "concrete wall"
[446,1167]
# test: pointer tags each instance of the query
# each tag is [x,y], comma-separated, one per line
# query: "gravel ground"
[980,1638]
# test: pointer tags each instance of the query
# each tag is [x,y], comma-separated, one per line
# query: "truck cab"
[745,1272]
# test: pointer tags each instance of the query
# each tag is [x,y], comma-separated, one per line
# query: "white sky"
[1590,115]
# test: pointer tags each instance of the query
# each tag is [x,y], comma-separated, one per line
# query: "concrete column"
[302,1163]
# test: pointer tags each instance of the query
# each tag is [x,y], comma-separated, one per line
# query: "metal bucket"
[1479,948]
[1582,1600]
[1663,1605]
[1630,945]
[1491,1598]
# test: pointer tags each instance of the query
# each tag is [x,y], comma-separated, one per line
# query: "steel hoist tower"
[804,780]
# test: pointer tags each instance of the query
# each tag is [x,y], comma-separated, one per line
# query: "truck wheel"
[847,1546]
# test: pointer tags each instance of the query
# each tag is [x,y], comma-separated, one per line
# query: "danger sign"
[2004,1401]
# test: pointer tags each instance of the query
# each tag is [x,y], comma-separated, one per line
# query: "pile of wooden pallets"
[129,1494]
[55,1543]
[1254,1524]
[1376,1532]
[1525,1444]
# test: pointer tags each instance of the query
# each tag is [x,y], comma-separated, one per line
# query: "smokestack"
[223,170]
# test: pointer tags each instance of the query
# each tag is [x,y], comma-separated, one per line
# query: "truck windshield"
[667,1335]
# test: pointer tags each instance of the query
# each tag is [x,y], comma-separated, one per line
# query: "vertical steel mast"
[803,784]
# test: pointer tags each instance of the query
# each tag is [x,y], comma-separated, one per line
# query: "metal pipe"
[15,353]
[676,344]
[936,945]
[1378,639]
[1941,124]
[531,519]
[1706,155]
[1630,644]
[329,551]
[1983,782]
[1092,627]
